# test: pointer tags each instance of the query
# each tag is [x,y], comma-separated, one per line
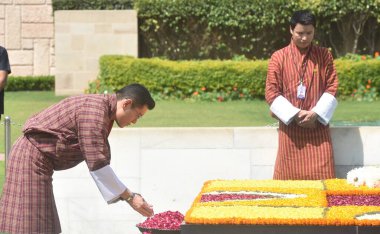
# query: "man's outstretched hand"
[139,204]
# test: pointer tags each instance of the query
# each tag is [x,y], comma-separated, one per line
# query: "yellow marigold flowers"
[249,184]
[341,187]
[245,214]
[275,202]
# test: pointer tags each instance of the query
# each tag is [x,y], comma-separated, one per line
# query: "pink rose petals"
[168,220]
[353,200]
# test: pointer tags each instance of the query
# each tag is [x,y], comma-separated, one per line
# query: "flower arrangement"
[275,202]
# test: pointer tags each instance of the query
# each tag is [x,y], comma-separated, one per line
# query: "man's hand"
[306,119]
[3,79]
[140,205]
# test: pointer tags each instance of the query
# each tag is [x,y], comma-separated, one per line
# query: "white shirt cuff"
[108,184]
[325,108]
[283,109]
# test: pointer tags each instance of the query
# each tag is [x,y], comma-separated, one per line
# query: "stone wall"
[27,32]
[67,44]
[169,166]
[81,37]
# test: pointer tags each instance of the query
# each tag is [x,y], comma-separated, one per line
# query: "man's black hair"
[139,95]
[304,17]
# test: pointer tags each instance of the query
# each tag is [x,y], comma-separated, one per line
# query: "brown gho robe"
[58,138]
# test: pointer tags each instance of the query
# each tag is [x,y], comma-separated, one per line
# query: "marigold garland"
[309,209]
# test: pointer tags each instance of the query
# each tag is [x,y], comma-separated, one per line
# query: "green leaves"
[21,83]
[92,4]
[181,79]
[212,29]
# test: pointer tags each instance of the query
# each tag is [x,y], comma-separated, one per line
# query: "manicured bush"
[22,83]
[215,79]
[92,4]
[353,74]
[184,79]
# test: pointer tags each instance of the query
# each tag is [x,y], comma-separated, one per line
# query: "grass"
[177,113]
[245,113]
[19,106]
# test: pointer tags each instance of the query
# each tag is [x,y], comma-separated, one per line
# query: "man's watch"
[130,198]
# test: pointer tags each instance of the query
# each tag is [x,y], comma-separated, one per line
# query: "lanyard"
[302,70]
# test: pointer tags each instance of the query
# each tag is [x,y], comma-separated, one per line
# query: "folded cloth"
[108,184]
[283,109]
[325,108]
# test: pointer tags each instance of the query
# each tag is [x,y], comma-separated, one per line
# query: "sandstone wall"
[67,44]
[82,37]
[27,31]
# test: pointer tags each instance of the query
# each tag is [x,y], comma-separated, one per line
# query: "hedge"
[92,4]
[213,78]
[352,74]
[20,83]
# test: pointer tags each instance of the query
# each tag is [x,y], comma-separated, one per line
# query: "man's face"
[126,114]
[302,35]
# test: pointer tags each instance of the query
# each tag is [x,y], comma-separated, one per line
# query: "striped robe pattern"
[303,153]
[58,138]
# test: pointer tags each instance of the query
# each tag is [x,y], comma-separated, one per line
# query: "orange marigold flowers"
[195,93]
[277,202]
[203,88]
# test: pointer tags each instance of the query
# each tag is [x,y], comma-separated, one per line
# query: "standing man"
[5,69]
[58,138]
[301,87]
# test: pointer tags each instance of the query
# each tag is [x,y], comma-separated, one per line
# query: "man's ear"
[127,102]
[291,30]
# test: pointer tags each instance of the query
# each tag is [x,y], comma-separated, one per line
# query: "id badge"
[301,91]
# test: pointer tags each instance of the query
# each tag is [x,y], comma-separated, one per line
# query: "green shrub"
[213,29]
[182,79]
[222,29]
[352,74]
[22,83]
[92,4]
[214,79]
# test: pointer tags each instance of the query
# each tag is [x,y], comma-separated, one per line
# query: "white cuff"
[108,184]
[325,108]
[283,109]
